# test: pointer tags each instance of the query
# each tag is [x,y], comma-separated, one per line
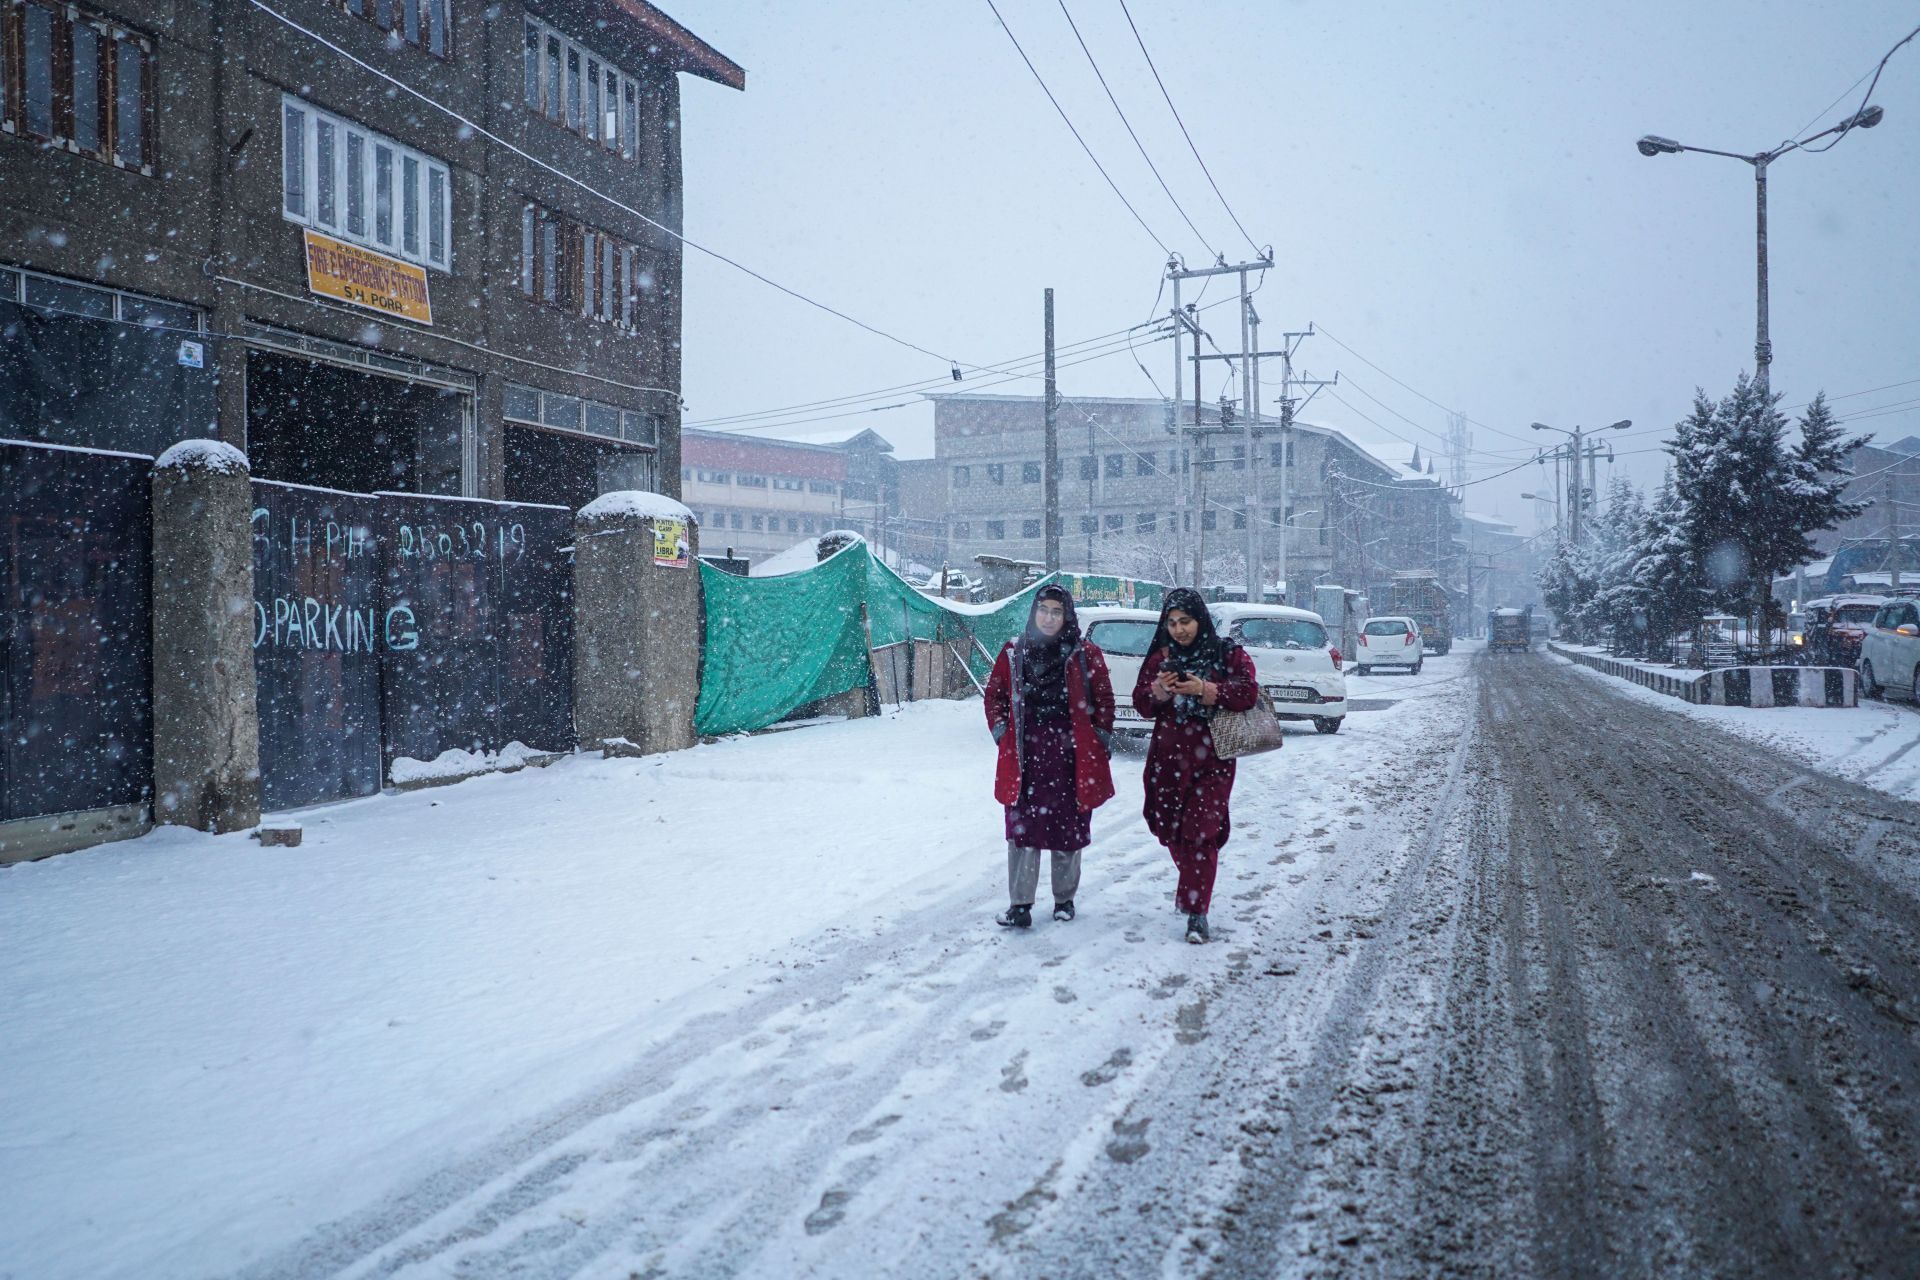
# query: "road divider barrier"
[1733,686]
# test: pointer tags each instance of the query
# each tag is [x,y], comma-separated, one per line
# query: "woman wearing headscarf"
[1050,706]
[1191,673]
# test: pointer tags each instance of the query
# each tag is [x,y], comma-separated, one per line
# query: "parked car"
[1295,659]
[1835,626]
[1123,635]
[1389,641]
[1890,653]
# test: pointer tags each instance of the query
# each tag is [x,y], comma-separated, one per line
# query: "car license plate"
[1290,695]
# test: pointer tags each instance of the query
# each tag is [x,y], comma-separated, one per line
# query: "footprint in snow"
[1108,1071]
[870,1132]
[1129,1141]
[989,1031]
[832,1210]
[1063,996]
[1013,1076]
[1168,985]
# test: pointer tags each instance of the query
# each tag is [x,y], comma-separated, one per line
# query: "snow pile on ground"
[634,504]
[455,763]
[216,456]
[1876,744]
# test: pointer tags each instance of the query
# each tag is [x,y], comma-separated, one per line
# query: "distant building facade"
[1347,515]
[218,221]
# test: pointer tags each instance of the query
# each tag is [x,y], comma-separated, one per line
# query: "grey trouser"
[1023,874]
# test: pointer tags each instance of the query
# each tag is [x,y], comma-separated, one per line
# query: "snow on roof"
[216,456]
[637,504]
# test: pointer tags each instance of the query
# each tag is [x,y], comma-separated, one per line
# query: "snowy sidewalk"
[214,1048]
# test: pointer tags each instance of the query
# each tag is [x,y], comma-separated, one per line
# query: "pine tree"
[1666,569]
[1819,468]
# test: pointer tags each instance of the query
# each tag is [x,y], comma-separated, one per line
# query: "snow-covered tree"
[1751,500]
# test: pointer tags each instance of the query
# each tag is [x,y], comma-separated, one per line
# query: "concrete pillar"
[206,727]
[637,624]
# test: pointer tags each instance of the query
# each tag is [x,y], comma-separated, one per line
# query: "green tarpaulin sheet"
[776,644]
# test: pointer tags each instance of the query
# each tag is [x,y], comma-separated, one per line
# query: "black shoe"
[1197,928]
[1016,917]
[1063,910]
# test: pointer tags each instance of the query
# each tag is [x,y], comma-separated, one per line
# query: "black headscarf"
[1041,659]
[1206,657]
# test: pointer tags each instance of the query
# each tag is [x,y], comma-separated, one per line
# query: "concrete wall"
[637,638]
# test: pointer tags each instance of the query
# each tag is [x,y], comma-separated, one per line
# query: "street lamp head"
[1534,497]
[1868,117]
[1541,426]
[1653,145]
[1621,425]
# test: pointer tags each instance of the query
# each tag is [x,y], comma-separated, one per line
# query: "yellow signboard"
[670,543]
[367,279]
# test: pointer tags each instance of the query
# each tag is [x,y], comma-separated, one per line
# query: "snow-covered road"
[740,1009]
[1521,973]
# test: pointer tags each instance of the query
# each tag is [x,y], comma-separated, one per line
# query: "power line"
[1070,127]
[1322,329]
[1183,128]
[564,176]
[1101,77]
[1852,122]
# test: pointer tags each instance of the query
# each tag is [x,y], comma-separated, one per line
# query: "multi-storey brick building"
[758,496]
[1121,500]
[421,245]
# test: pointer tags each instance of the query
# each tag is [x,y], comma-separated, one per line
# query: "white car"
[1890,652]
[1295,660]
[1389,641]
[1123,635]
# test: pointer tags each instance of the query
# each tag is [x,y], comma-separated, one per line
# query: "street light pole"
[1575,491]
[1654,145]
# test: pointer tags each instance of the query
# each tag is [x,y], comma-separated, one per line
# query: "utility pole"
[1176,273]
[1256,584]
[1178,469]
[1893,535]
[1051,467]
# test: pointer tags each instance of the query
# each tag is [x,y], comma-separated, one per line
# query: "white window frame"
[433,232]
[617,90]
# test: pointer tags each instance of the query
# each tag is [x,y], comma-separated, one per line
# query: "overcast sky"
[1452,193]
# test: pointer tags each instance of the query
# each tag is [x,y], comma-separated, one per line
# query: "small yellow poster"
[367,279]
[670,546]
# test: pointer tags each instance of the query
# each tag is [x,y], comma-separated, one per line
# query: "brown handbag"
[1246,733]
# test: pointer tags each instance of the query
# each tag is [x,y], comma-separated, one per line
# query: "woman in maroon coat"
[1190,673]
[1050,706]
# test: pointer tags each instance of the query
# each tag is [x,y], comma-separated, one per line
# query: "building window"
[1239,519]
[315,166]
[996,530]
[714,477]
[1089,524]
[737,521]
[1239,457]
[997,472]
[827,486]
[1116,524]
[759,524]
[579,90]
[1145,522]
[1089,468]
[750,481]
[421,23]
[962,529]
[1277,457]
[962,477]
[1116,465]
[1029,528]
[1143,464]
[78,80]
[790,483]
[1209,519]
[1029,473]
[570,413]
[579,270]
